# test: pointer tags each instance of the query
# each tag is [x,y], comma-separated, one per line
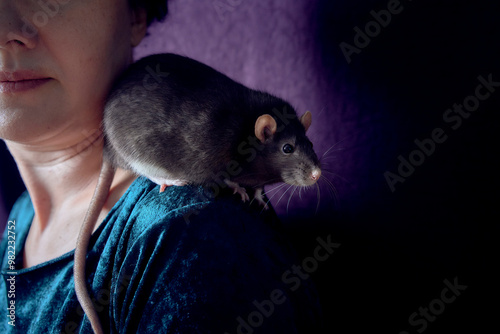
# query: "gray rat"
[177,121]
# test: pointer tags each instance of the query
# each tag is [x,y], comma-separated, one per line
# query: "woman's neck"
[58,175]
[61,180]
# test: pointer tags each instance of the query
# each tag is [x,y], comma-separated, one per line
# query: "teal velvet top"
[173,262]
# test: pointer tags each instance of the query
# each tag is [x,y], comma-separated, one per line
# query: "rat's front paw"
[237,189]
[260,198]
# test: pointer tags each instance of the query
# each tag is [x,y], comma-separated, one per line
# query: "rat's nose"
[315,174]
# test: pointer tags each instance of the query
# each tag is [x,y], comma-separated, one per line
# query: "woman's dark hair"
[156,9]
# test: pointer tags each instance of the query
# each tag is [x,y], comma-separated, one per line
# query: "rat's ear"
[139,25]
[265,127]
[306,120]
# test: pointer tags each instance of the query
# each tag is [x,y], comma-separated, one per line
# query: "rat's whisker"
[290,198]
[274,189]
[331,157]
[267,182]
[340,141]
[337,175]
[284,193]
[332,190]
[337,143]
[329,150]
[276,192]
[331,186]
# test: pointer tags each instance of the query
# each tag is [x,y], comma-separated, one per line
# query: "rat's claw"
[260,198]
[163,187]
[243,193]
[237,189]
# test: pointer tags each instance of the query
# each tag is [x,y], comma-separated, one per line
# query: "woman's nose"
[16,30]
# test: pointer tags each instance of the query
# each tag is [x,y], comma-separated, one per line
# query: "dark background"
[397,247]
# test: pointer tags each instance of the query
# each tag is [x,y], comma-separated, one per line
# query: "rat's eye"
[287,149]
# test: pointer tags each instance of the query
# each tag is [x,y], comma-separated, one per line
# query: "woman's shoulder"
[209,263]
[193,213]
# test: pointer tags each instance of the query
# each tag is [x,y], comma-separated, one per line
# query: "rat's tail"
[96,204]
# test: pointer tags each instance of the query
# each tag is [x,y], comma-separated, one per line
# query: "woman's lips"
[19,81]
[21,85]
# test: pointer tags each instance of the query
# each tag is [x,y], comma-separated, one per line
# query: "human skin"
[50,122]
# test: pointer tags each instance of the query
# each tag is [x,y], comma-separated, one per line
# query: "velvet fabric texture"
[179,261]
